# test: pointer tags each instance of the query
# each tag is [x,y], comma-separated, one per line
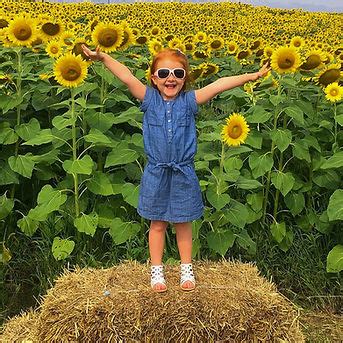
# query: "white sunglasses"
[163,73]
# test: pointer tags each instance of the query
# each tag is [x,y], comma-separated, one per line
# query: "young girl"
[170,190]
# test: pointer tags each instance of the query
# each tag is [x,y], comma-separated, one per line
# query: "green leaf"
[100,121]
[62,248]
[133,113]
[43,137]
[61,122]
[296,113]
[339,119]
[123,231]
[334,261]
[277,99]
[5,254]
[236,214]
[335,161]
[87,223]
[50,157]
[121,155]
[335,208]
[221,241]
[295,202]
[22,164]
[96,137]
[284,182]
[7,134]
[29,130]
[7,175]
[217,200]
[300,150]
[6,206]
[100,184]
[232,163]
[260,164]
[287,241]
[130,194]
[28,225]
[105,216]
[282,138]
[255,200]
[278,231]
[233,151]
[244,240]
[259,115]
[79,166]
[244,183]
[254,140]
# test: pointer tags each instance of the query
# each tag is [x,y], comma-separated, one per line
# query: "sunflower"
[189,47]
[200,54]
[232,47]
[285,59]
[67,38]
[200,37]
[3,22]
[333,92]
[77,48]
[141,40]
[108,36]
[329,75]
[196,73]
[22,31]
[314,60]
[154,46]
[268,51]
[174,42]
[54,49]
[128,38]
[243,54]
[70,70]
[209,69]
[216,43]
[51,30]
[235,131]
[155,31]
[297,42]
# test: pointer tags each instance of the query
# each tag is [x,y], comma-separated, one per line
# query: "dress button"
[169,130]
[169,120]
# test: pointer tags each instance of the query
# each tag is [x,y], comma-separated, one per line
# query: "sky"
[308,5]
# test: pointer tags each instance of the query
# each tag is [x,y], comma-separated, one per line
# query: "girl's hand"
[262,72]
[96,55]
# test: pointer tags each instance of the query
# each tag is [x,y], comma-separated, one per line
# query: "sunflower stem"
[19,94]
[265,200]
[74,149]
[335,147]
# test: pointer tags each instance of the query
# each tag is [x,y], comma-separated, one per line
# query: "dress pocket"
[154,118]
[183,116]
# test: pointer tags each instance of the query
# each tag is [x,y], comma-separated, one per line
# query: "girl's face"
[170,86]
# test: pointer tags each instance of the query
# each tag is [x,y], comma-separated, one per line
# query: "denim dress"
[169,189]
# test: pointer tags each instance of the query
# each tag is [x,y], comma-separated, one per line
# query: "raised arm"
[208,92]
[123,73]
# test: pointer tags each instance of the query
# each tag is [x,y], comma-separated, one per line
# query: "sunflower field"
[71,146]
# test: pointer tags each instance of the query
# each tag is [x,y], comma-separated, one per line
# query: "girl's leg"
[184,243]
[157,235]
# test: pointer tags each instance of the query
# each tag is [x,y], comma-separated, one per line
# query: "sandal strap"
[157,275]
[187,273]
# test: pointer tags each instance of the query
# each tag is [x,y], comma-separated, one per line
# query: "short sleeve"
[191,101]
[149,94]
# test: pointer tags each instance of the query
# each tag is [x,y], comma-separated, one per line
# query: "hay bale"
[19,328]
[231,303]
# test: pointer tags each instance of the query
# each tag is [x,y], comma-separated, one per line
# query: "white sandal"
[187,275]
[157,277]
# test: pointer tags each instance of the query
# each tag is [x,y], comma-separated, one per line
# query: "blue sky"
[308,5]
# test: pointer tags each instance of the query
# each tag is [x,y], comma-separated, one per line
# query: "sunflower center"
[242,54]
[23,32]
[312,62]
[216,44]
[71,72]
[54,49]
[3,23]
[286,63]
[235,132]
[108,37]
[125,38]
[333,92]
[329,76]
[297,43]
[200,54]
[51,29]
[232,47]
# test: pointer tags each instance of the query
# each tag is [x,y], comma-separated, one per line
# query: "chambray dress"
[169,188]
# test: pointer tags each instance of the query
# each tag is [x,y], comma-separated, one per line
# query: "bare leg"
[184,243]
[157,235]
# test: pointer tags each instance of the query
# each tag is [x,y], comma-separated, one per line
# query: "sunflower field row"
[70,133]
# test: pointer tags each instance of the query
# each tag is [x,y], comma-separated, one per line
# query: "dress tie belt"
[175,166]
